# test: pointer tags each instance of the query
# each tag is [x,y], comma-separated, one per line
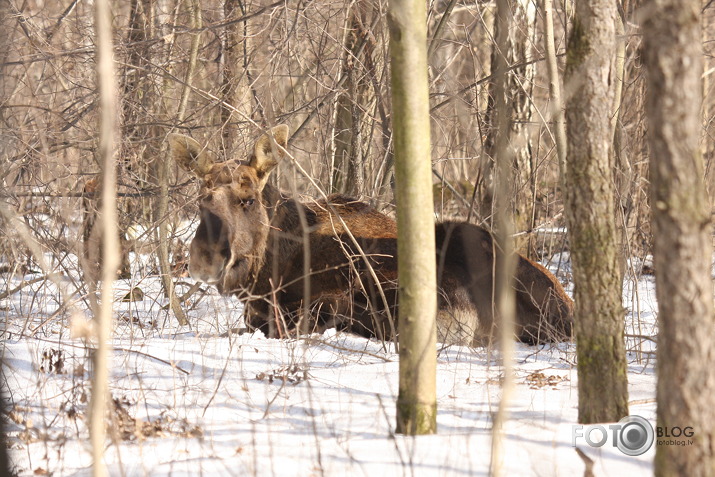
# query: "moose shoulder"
[338,257]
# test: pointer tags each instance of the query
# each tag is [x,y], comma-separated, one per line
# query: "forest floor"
[194,400]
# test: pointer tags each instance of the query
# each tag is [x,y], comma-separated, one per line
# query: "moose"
[332,262]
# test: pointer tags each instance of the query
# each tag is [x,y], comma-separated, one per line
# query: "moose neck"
[282,236]
[282,210]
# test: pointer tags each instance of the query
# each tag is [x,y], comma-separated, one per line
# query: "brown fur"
[250,243]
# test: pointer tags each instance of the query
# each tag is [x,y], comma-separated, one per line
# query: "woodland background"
[223,71]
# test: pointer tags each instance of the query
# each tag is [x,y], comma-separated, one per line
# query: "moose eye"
[248,202]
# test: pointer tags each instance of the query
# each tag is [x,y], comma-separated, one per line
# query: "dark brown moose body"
[332,262]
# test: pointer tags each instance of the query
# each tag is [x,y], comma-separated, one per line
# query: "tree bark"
[4,444]
[106,83]
[234,64]
[556,110]
[348,175]
[417,400]
[682,228]
[505,298]
[589,191]
[517,92]
[138,93]
[163,174]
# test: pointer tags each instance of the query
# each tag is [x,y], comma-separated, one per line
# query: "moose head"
[230,241]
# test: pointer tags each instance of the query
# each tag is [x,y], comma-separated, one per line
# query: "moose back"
[333,262]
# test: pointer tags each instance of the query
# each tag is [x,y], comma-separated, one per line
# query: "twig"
[22,285]
[124,350]
[643,337]
[312,341]
[185,297]
[440,26]
[220,378]
[149,192]
[483,80]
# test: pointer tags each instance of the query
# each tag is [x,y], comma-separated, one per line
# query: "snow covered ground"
[195,401]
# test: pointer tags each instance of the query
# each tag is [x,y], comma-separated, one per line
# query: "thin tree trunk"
[232,72]
[348,175]
[162,174]
[521,181]
[517,91]
[111,259]
[557,112]
[622,176]
[4,442]
[682,233]
[138,94]
[505,298]
[4,460]
[417,400]
[588,185]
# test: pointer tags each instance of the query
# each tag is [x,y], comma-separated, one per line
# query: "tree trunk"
[505,299]
[556,111]
[138,94]
[4,444]
[417,400]
[106,84]
[162,174]
[233,74]
[348,175]
[518,96]
[682,228]
[589,190]
[630,154]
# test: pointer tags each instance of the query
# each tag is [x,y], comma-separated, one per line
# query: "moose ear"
[266,153]
[190,155]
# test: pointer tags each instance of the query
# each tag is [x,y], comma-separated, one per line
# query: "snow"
[199,401]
